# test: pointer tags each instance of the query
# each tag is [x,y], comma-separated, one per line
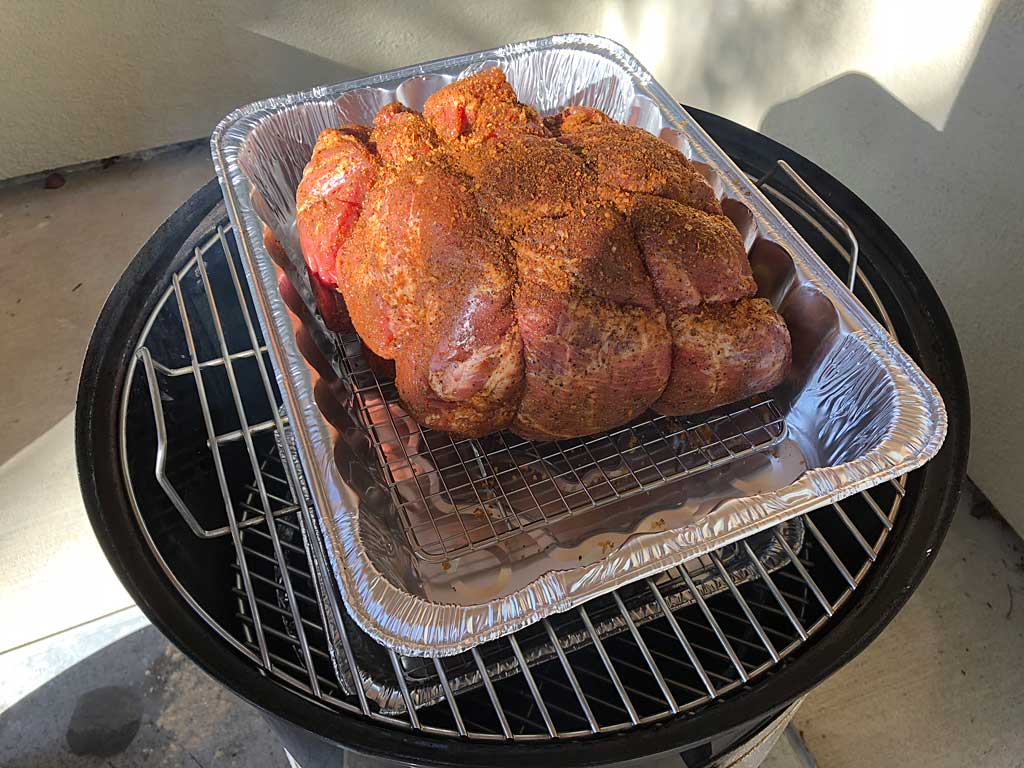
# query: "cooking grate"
[457,495]
[202,372]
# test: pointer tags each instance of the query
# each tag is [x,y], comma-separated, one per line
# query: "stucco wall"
[918,106]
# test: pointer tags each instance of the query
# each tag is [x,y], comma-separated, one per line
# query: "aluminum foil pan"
[352,649]
[857,411]
[425,688]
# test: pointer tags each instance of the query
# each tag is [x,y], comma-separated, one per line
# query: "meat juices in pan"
[557,277]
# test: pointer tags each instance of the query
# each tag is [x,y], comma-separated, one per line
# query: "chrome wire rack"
[457,495]
[200,421]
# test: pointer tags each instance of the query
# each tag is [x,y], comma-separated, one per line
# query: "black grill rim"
[930,501]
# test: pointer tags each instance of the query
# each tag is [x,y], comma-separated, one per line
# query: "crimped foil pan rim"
[252,111]
[386,612]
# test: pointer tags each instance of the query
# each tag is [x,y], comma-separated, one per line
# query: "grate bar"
[744,607]
[450,696]
[646,653]
[804,574]
[857,535]
[681,637]
[713,623]
[499,711]
[246,436]
[524,670]
[571,676]
[882,517]
[350,658]
[410,710]
[599,647]
[831,553]
[779,598]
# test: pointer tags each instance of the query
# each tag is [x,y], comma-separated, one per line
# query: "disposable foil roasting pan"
[356,657]
[439,544]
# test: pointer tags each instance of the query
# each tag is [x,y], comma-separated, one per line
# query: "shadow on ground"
[138,701]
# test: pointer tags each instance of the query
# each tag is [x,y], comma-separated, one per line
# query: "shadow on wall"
[954,197]
[730,56]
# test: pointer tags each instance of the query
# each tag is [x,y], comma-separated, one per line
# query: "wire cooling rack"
[456,495]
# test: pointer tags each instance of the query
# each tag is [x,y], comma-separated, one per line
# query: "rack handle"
[151,368]
[786,168]
[161,448]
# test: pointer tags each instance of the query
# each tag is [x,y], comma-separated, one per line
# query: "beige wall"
[85,80]
[918,105]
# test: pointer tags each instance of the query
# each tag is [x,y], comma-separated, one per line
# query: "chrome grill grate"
[641,654]
[679,659]
[457,495]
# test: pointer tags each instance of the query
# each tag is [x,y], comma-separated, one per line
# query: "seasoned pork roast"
[557,277]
